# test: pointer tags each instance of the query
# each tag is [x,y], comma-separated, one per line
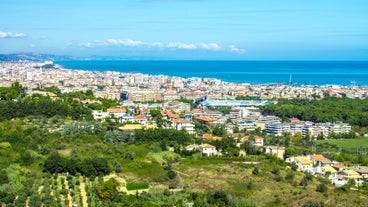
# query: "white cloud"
[86,44]
[212,46]
[180,45]
[128,43]
[158,45]
[11,35]
[235,49]
[209,46]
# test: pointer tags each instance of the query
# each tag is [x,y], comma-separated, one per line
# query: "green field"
[347,143]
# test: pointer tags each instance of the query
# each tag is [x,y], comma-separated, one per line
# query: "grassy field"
[262,189]
[347,143]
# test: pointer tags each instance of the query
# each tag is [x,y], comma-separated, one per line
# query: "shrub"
[321,188]
[171,174]
[304,182]
[255,171]
[289,176]
[136,186]
[275,171]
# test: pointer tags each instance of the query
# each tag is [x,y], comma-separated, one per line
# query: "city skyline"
[188,29]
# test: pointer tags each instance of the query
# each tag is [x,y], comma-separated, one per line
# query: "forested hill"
[329,109]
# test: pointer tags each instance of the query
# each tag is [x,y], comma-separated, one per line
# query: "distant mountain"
[36,57]
[39,57]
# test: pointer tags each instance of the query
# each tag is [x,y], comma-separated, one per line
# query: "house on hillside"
[304,164]
[208,149]
[327,169]
[258,140]
[362,170]
[141,119]
[274,150]
[350,174]
[317,159]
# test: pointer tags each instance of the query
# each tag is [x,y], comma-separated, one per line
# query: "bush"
[275,171]
[278,178]
[136,186]
[255,171]
[321,188]
[171,174]
[289,176]
[304,182]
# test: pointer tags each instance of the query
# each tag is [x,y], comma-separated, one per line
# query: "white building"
[208,150]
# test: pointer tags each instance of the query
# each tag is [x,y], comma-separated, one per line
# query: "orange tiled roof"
[317,157]
[196,110]
[205,118]
[338,166]
[294,120]
[171,115]
[176,120]
[139,117]
[116,110]
[206,136]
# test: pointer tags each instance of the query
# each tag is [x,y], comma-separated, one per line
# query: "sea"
[344,73]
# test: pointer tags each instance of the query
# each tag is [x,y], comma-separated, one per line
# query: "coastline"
[312,73]
[148,87]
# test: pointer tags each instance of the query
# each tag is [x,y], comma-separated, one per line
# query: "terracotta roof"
[205,118]
[171,115]
[116,110]
[177,120]
[139,117]
[317,157]
[294,120]
[338,166]
[205,136]
[196,110]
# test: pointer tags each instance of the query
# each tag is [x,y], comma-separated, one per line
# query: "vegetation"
[136,186]
[328,109]
[60,159]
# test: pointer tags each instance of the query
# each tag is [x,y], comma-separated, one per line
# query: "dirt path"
[68,197]
[82,188]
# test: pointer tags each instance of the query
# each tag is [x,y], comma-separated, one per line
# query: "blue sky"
[188,29]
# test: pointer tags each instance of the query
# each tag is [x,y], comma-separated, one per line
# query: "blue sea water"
[254,72]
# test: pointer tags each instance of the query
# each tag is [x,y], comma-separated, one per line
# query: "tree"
[108,189]
[54,163]
[290,151]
